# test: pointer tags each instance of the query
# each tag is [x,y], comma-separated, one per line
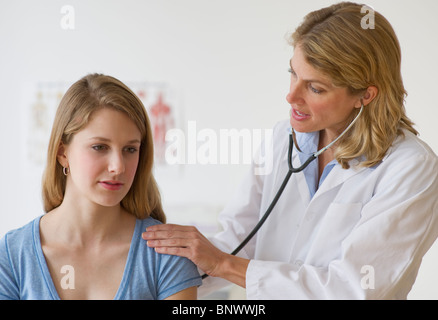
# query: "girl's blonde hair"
[334,42]
[84,97]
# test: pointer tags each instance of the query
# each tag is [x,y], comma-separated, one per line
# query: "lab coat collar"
[338,175]
[308,143]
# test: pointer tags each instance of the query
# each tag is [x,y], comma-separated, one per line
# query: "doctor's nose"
[294,95]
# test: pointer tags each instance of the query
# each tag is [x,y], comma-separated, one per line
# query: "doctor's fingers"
[178,242]
[171,234]
[193,240]
[201,252]
[176,251]
[171,227]
[193,249]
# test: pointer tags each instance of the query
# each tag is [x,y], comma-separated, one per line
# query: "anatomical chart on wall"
[40,101]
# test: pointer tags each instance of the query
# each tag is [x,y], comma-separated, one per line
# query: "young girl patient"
[99,196]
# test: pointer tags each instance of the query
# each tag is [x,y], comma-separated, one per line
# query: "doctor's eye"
[292,72]
[314,90]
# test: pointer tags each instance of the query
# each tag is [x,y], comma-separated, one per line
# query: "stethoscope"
[291,170]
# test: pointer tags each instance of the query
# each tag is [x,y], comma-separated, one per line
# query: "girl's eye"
[131,149]
[99,147]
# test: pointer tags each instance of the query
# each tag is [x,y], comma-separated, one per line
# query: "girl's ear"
[62,156]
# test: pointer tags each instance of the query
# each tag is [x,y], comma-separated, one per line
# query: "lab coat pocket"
[337,223]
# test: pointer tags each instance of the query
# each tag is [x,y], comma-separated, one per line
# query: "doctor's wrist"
[233,269]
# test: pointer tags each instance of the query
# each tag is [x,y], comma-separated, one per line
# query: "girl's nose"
[116,163]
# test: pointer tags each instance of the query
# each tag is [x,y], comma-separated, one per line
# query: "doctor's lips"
[299,116]
[111,184]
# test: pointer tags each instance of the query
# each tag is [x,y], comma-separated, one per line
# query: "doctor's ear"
[369,95]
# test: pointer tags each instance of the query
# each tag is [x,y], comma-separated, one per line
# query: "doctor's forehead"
[306,71]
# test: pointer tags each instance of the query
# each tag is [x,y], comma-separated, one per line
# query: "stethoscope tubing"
[285,181]
[275,200]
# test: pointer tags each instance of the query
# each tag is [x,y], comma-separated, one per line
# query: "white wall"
[226,61]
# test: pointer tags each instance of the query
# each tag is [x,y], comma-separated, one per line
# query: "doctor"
[357,221]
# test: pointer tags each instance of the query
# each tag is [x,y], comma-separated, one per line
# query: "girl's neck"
[82,224]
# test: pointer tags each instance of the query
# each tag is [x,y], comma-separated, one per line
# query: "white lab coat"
[362,235]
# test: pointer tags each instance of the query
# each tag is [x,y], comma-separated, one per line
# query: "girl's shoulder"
[23,235]
[147,222]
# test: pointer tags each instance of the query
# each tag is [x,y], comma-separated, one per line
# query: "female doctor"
[357,221]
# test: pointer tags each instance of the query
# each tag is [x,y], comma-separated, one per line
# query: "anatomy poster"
[40,101]
[160,103]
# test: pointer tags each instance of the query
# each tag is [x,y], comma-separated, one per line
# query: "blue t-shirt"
[24,273]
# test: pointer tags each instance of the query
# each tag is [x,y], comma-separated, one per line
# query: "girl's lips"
[299,116]
[111,185]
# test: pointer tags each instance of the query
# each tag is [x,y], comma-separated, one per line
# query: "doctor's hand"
[187,241]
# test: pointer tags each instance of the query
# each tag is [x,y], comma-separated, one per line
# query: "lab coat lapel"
[289,211]
[301,181]
[338,176]
[308,143]
[316,209]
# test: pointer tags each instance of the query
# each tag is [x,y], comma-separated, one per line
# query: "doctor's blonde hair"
[91,93]
[335,43]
